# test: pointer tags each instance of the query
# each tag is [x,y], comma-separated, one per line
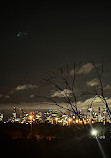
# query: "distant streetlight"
[77,121]
[31,119]
[69,120]
[56,119]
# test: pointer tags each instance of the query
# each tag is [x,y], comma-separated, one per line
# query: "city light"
[69,120]
[77,121]
[31,117]
[56,119]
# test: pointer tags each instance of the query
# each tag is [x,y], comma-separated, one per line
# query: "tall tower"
[21,114]
[99,114]
[1,117]
[14,114]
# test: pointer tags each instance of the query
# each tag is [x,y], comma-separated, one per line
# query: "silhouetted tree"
[64,81]
[100,91]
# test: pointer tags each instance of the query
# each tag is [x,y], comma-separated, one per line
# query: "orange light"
[56,118]
[70,120]
[30,117]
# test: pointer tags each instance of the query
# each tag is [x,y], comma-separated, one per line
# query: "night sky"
[52,34]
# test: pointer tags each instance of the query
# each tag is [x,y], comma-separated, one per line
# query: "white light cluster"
[94,132]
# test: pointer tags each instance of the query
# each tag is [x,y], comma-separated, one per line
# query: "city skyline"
[55,116]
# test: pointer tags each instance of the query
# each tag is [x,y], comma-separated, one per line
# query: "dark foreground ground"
[51,141]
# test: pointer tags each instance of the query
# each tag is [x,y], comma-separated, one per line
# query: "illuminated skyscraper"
[21,114]
[1,117]
[14,114]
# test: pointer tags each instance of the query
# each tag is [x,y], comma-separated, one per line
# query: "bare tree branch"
[63,80]
[99,74]
[101,96]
